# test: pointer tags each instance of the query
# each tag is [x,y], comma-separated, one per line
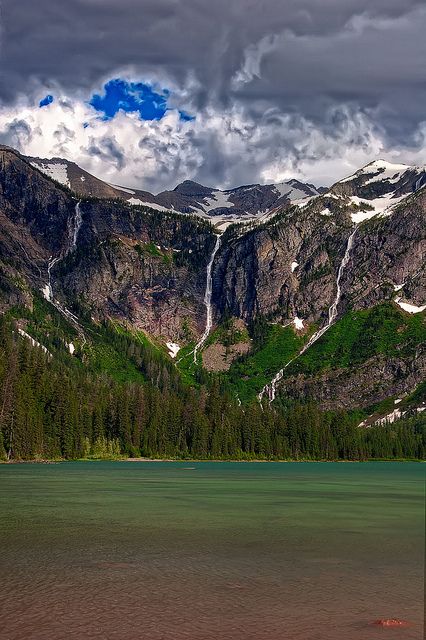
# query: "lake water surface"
[217,551]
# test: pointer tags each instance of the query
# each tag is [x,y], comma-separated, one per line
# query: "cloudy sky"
[147,93]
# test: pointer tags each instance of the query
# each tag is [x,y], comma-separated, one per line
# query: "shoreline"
[199,460]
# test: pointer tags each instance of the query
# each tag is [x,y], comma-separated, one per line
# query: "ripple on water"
[233,552]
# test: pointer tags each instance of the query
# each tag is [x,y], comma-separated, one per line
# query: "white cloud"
[219,148]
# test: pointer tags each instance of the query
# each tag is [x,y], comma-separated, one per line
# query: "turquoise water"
[210,550]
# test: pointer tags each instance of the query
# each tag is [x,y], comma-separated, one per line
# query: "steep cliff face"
[288,267]
[129,263]
[311,265]
[359,245]
[142,269]
[281,270]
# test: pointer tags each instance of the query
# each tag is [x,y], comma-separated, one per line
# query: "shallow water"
[217,551]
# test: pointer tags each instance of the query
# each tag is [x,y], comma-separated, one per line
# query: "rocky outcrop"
[367,384]
[280,270]
[391,622]
[130,263]
[145,271]
[288,268]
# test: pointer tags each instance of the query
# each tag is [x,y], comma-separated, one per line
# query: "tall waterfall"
[208,299]
[78,220]
[270,389]
[48,288]
[48,291]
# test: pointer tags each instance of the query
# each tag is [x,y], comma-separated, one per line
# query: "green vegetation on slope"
[51,409]
[274,346]
[360,335]
[119,394]
[108,349]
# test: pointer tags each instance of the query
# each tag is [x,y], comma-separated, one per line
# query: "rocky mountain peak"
[191,188]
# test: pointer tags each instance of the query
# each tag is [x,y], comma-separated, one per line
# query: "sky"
[147,93]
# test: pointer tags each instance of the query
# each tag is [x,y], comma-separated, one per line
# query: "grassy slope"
[101,354]
[248,375]
[357,336]
[360,335]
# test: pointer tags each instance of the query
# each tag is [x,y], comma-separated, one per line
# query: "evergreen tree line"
[49,409]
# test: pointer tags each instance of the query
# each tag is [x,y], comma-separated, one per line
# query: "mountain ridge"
[247,202]
[146,269]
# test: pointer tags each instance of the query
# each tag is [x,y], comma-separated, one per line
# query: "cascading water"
[78,220]
[48,289]
[208,300]
[332,312]
[270,389]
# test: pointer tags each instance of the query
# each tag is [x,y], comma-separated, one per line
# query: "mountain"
[249,202]
[322,299]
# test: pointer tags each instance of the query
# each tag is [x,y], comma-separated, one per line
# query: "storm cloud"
[308,88]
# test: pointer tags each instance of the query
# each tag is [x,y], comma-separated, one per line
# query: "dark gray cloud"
[320,60]
[109,150]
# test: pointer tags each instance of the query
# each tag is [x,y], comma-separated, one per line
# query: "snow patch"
[392,173]
[398,287]
[294,266]
[298,323]
[326,212]
[410,308]
[219,200]
[56,170]
[71,348]
[33,342]
[152,205]
[386,170]
[381,206]
[391,417]
[114,186]
[292,193]
[173,349]
[47,294]
[303,202]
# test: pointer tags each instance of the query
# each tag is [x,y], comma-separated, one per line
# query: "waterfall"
[78,220]
[332,312]
[48,291]
[270,389]
[208,299]
[48,288]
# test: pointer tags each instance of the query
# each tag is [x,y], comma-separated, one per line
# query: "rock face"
[369,383]
[147,268]
[136,266]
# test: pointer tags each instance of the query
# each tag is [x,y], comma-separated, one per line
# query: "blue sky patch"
[45,101]
[133,97]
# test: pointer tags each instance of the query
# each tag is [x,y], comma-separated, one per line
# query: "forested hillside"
[51,407]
